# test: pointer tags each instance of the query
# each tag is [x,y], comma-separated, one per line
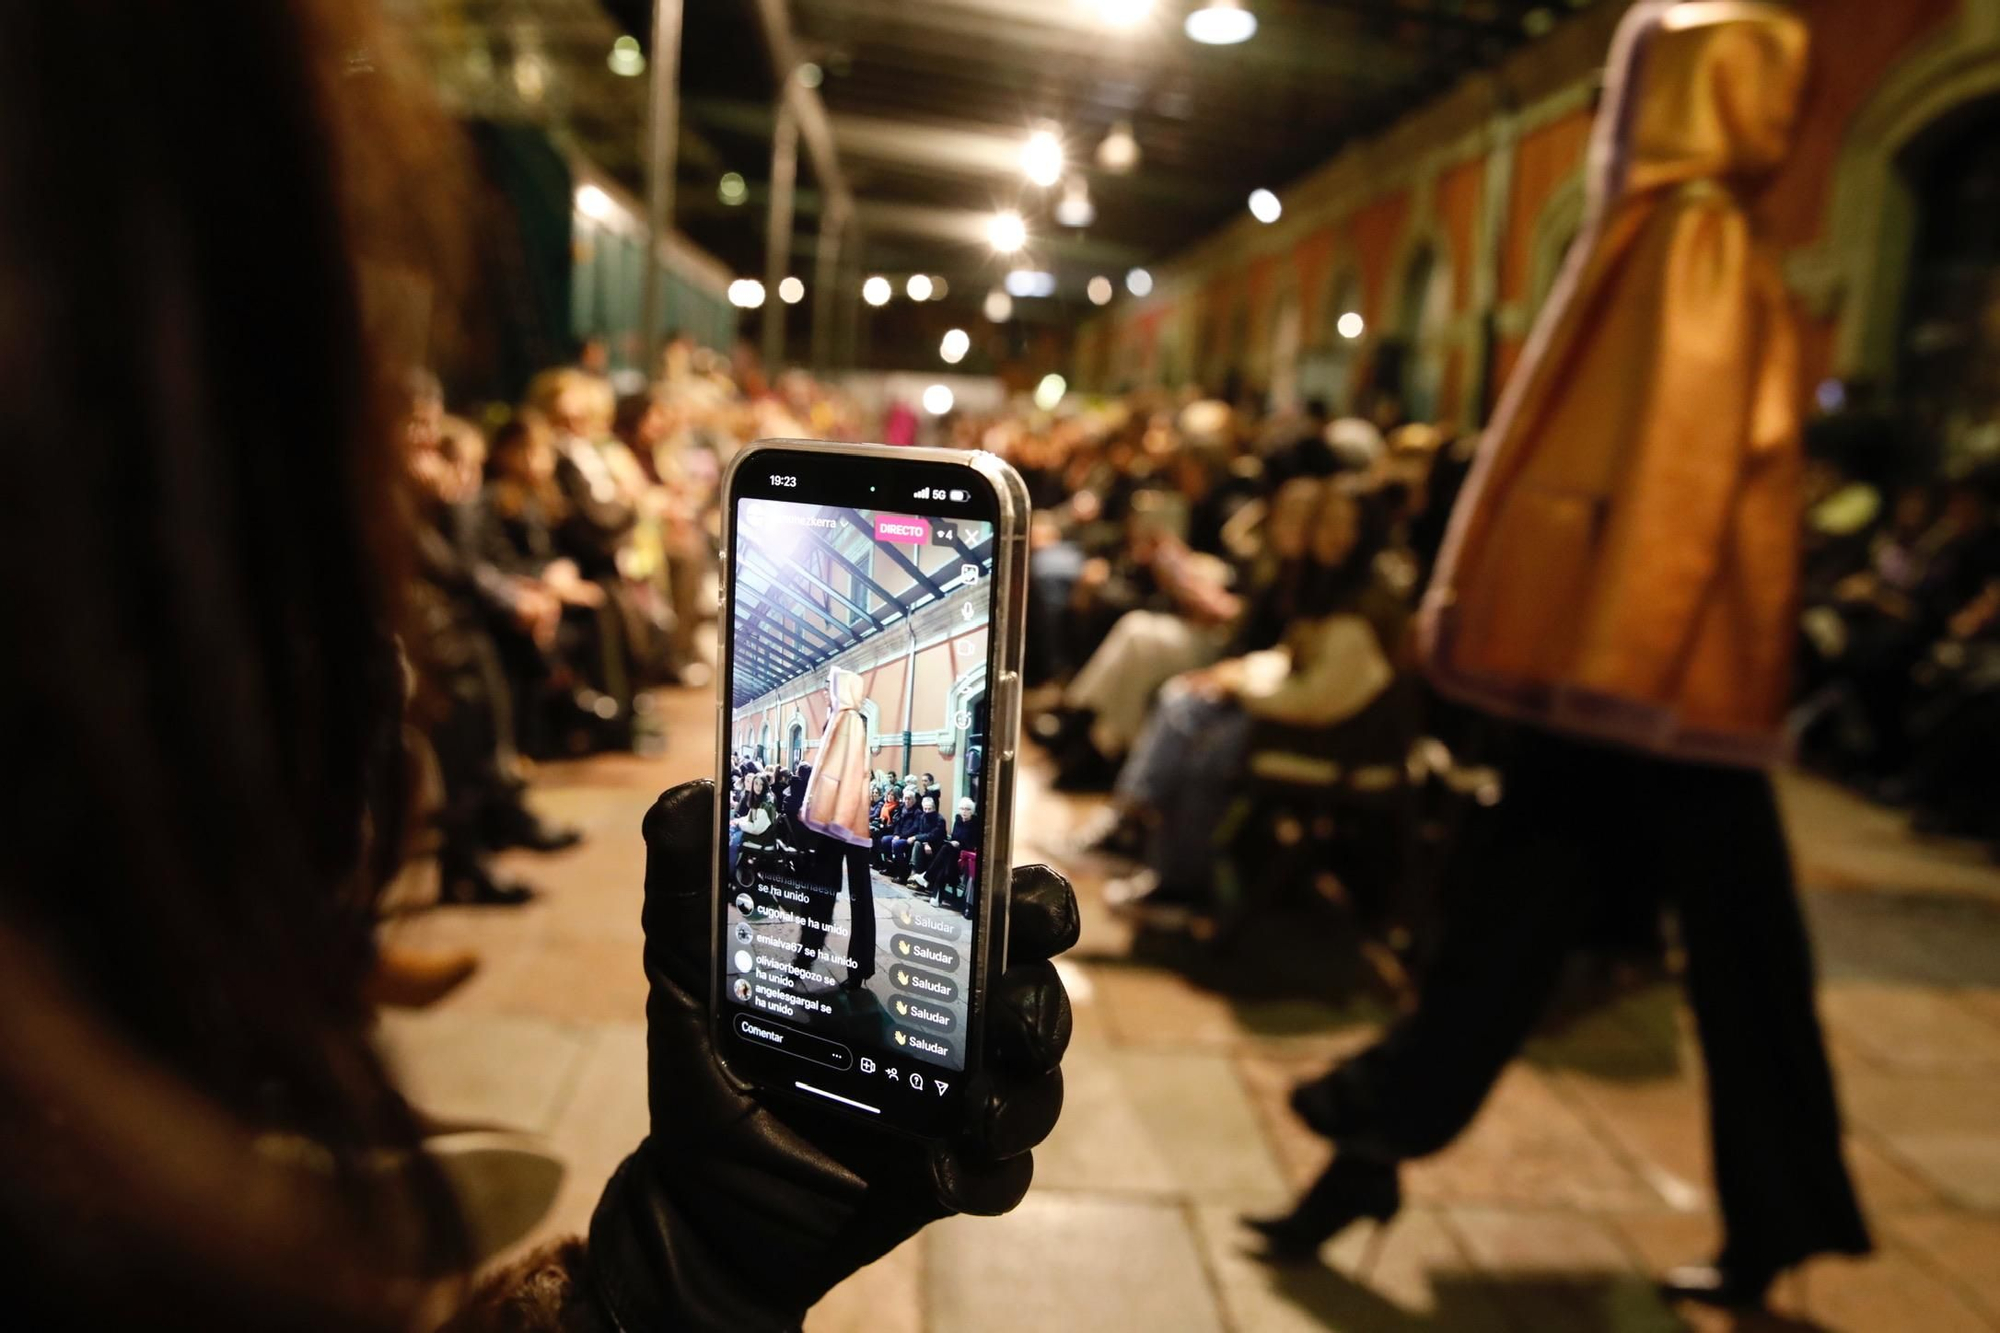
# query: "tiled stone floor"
[1586,1172]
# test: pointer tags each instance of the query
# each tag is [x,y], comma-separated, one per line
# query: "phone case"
[1008,633]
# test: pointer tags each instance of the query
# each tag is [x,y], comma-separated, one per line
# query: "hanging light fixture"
[1042,156]
[1221,23]
[1119,152]
[1074,209]
[626,60]
[1006,231]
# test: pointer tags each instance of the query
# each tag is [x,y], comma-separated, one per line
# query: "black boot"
[1351,1189]
[510,823]
[470,883]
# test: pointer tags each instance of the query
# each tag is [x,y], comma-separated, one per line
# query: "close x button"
[794,1042]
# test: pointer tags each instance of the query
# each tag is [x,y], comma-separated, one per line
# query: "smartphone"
[873,608]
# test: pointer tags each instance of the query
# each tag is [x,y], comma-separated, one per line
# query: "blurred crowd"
[1900,633]
[565,564]
[1219,631]
[1218,620]
[1219,606]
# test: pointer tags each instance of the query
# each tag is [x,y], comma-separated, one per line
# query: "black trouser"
[1578,821]
[470,736]
[938,864]
[831,856]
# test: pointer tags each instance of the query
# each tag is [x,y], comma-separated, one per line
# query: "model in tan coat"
[1623,564]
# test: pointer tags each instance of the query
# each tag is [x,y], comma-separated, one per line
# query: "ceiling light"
[954,347]
[746,293]
[876,290]
[1074,209]
[531,77]
[1139,282]
[1031,282]
[918,288]
[1099,291]
[1264,206]
[731,190]
[1121,13]
[1006,232]
[594,203]
[626,59]
[937,400]
[1042,157]
[811,75]
[1119,152]
[999,306]
[1350,325]
[1221,23]
[1050,391]
[791,291]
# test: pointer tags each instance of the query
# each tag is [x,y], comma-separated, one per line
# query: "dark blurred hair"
[201,691]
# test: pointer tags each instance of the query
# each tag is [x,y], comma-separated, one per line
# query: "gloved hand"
[739,1211]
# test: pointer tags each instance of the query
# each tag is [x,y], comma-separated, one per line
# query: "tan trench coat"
[1623,563]
[836,802]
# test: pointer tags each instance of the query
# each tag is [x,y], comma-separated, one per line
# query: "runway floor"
[1585,1173]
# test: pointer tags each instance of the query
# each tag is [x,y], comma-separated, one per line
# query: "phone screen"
[855,800]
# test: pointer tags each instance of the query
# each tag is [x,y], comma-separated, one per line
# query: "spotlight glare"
[1006,232]
[954,347]
[918,288]
[1264,206]
[1122,13]
[1031,282]
[1050,391]
[876,291]
[595,204]
[1099,291]
[1042,157]
[1221,23]
[746,293]
[999,306]
[1119,152]
[791,291]
[937,399]
[1074,209]
[731,190]
[1139,282]
[1350,325]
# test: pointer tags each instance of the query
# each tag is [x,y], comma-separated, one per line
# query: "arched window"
[1948,345]
[1556,230]
[1423,326]
[1326,373]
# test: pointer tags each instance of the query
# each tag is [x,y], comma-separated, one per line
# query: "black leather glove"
[739,1211]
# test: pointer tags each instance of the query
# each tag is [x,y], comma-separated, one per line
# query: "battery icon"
[958,497]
